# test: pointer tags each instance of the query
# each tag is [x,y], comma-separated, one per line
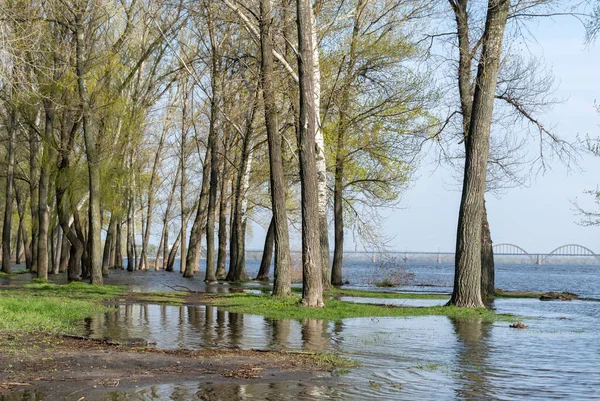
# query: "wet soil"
[70,368]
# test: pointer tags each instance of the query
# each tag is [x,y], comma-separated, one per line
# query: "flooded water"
[425,358]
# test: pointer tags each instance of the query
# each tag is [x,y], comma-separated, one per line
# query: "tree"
[467,279]
[312,286]
[282,284]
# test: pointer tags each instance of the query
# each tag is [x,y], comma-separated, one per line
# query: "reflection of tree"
[281,333]
[315,335]
[472,357]
[236,328]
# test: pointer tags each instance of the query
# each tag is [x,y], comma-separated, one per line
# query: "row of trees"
[176,118]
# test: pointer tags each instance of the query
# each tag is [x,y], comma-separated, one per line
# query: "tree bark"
[213,144]
[95,245]
[487,259]
[320,157]
[222,253]
[118,264]
[34,194]
[44,183]
[25,237]
[466,102]
[467,278]
[108,243]
[8,199]
[283,260]
[199,226]
[312,271]
[265,262]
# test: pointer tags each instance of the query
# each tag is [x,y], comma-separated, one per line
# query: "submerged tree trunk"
[467,279]
[312,271]
[265,262]
[283,260]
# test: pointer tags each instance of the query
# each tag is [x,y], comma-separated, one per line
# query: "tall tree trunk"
[467,277]
[312,271]
[165,231]
[338,194]
[466,101]
[130,258]
[283,260]
[265,262]
[44,183]
[25,237]
[182,189]
[34,193]
[108,243]
[118,264]
[199,226]
[173,253]
[65,249]
[19,254]
[213,144]
[150,195]
[237,254]
[487,258]
[93,163]
[8,196]
[320,156]
[57,250]
[222,254]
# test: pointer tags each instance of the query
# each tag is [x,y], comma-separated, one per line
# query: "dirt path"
[68,368]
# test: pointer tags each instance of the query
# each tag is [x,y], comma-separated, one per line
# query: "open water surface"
[419,358]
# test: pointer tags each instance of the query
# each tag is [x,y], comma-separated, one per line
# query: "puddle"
[427,358]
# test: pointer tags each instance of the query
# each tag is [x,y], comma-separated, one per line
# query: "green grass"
[163,297]
[50,307]
[383,294]
[47,314]
[13,273]
[289,308]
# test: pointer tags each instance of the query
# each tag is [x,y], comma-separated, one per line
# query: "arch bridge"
[568,250]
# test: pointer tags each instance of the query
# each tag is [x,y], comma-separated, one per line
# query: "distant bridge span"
[539,258]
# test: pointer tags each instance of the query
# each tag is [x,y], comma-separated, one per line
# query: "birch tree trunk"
[320,156]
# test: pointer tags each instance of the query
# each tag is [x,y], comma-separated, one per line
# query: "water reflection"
[26,395]
[414,358]
[472,359]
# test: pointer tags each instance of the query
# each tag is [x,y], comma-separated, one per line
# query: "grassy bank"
[340,292]
[290,308]
[51,308]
